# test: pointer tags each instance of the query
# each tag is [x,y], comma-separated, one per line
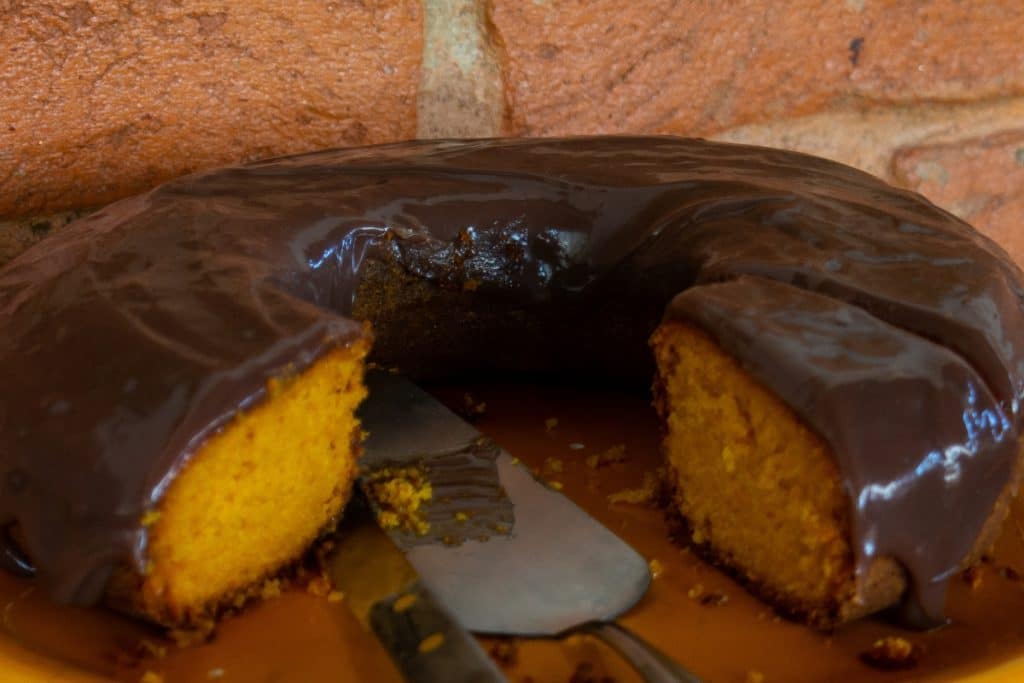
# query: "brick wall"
[104,98]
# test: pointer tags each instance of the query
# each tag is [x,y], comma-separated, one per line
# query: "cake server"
[506,554]
[387,597]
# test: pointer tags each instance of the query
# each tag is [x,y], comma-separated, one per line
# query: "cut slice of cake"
[782,505]
[253,498]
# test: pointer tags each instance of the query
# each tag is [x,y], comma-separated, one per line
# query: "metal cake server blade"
[504,553]
[384,592]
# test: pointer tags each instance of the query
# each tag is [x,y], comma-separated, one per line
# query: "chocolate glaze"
[134,334]
[915,433]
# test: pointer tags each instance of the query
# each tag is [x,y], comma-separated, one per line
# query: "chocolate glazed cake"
[839,366]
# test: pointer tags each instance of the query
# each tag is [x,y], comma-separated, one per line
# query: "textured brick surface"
[701,66]
[103,98]
[888,141]
[461,89]
[980,180]
[869,138]
[18,235]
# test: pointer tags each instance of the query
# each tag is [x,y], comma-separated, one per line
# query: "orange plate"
[301,637]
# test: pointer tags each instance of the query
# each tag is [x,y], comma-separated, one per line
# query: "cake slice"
[778,491]
[253,498]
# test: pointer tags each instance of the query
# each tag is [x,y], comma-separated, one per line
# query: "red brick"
[980,180]
[698,67]
[103,98]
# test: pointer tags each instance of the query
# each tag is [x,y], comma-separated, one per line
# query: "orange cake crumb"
[646,493]
[614,454]
[399,494]
[891,653]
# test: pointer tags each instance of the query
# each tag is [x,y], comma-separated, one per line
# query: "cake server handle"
[385,595]
[427,644]
[654,665]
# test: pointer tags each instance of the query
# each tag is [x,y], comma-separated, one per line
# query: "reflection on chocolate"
[137,332]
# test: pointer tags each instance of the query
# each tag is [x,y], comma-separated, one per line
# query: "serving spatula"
[425,642]
[504,553]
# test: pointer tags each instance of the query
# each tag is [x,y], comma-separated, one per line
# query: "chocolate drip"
[137,332]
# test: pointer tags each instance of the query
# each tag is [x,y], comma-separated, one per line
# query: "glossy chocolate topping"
[894,329]
[916,434]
